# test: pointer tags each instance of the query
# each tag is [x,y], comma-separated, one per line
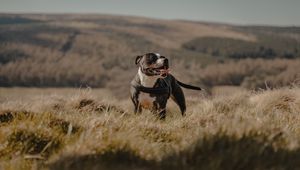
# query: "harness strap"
[163,90]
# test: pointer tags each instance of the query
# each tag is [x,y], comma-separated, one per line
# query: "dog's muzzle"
[162,71]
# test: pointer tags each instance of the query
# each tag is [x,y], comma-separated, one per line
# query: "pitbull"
[153,85]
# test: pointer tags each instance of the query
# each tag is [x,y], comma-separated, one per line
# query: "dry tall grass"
[252,74]
[244,130]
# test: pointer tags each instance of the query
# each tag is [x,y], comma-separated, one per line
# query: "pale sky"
[258,12]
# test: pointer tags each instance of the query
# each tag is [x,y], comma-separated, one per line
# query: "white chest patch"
[144,98]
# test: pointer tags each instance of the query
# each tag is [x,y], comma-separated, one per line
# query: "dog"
[153,85]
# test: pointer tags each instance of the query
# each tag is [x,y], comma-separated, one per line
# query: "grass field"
[233,124]
[90,129]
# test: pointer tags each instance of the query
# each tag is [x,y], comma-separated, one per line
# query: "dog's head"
[153,64]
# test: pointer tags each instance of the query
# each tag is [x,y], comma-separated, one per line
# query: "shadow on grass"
[216,152]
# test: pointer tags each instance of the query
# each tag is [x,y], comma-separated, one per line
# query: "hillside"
[43,50]
[89,129]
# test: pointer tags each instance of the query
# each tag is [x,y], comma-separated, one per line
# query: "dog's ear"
[138,59]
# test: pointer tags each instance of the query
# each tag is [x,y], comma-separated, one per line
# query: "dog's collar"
[155,90]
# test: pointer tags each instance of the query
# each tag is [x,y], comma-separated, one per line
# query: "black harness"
[152,90]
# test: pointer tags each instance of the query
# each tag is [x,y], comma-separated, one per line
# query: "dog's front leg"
[137,108]
[160,110]
[136,103]
[162,114]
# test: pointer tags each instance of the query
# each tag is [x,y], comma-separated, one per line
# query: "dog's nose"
[166,62]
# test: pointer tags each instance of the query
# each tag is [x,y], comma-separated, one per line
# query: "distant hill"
[98,50]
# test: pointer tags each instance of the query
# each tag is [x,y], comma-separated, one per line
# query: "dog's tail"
[188,86]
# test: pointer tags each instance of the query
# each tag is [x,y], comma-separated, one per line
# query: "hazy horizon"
[255,12]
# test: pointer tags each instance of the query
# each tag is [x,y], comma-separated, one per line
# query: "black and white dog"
[153,85]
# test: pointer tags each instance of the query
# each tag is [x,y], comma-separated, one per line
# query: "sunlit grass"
[247,130]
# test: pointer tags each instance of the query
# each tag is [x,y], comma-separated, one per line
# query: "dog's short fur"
[153,74]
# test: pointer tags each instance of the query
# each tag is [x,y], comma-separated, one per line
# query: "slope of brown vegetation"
[253,74]
[98,51]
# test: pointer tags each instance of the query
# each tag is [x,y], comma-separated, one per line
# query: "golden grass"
[88,129]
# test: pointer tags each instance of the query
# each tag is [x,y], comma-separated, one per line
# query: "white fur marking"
[145,100]
[147,81]
[160,61]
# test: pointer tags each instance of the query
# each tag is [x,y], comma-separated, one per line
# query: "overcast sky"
[262,12]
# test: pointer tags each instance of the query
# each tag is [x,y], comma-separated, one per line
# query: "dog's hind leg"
[178,97]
